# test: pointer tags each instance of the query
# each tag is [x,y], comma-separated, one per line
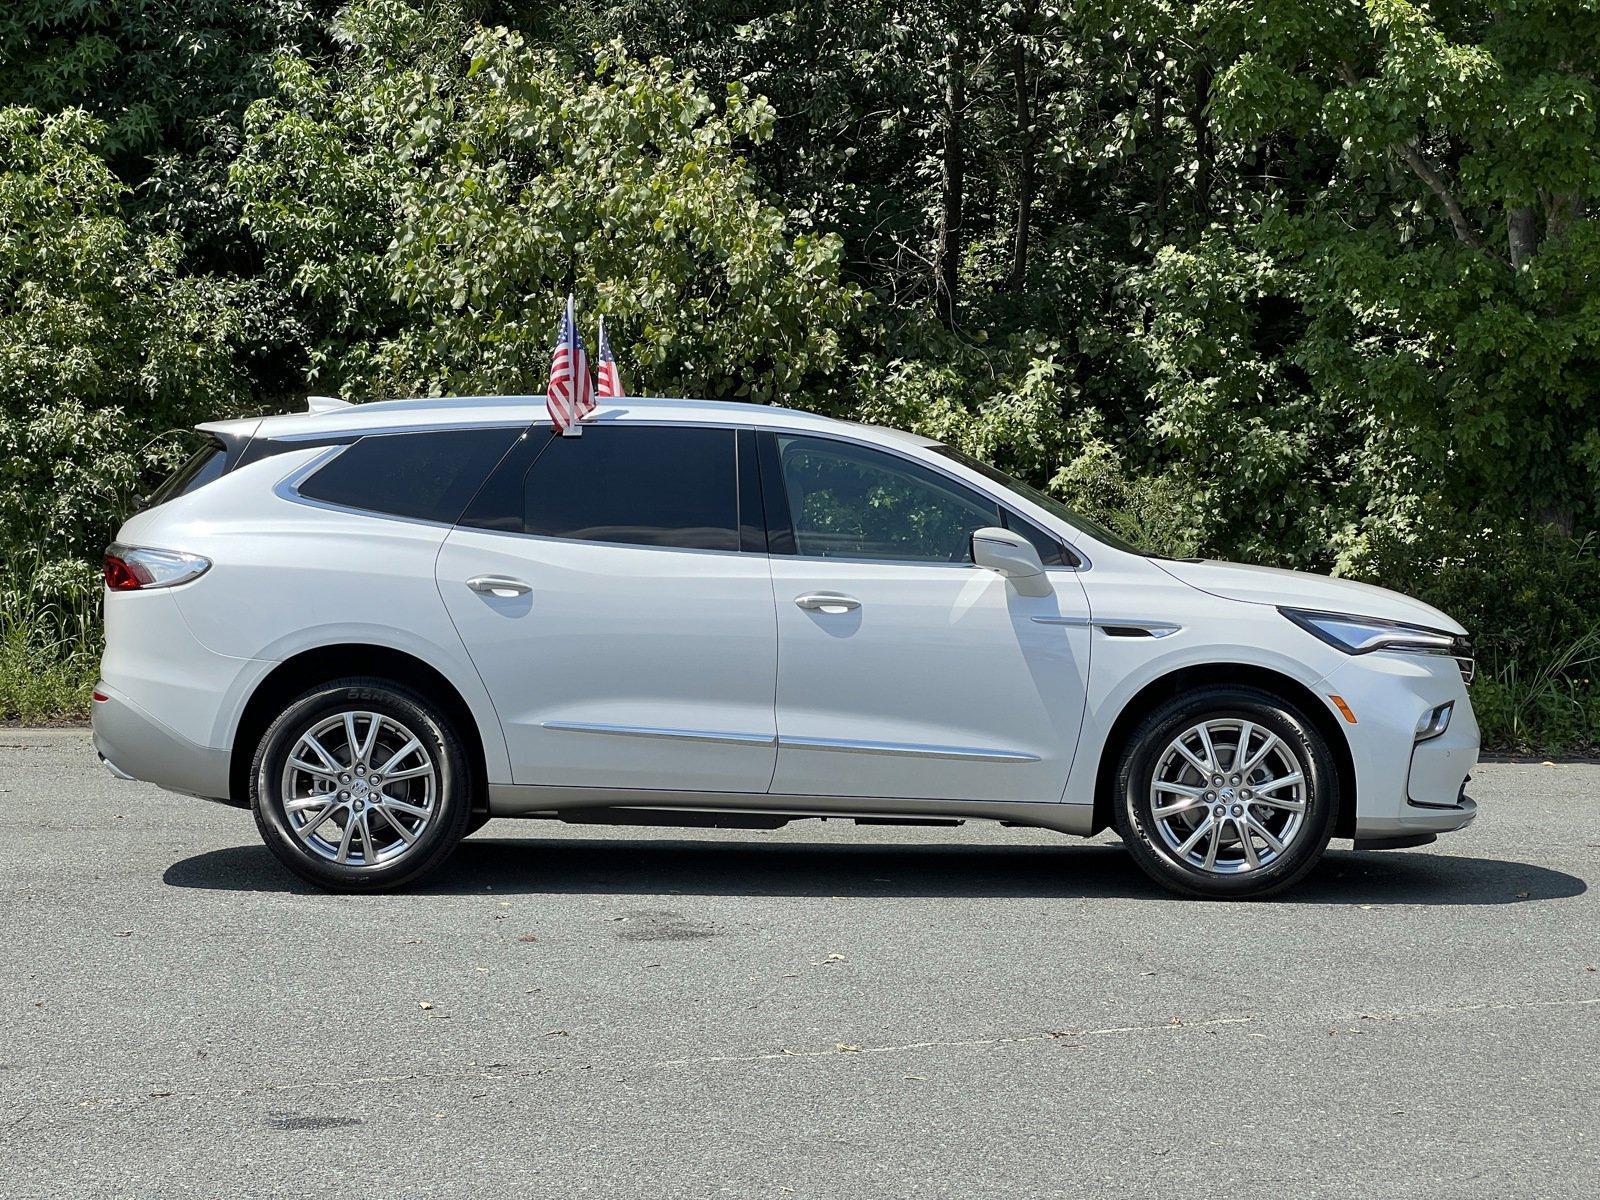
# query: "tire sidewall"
[1134,820]
[430,726]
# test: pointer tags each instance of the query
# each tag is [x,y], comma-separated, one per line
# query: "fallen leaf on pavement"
[424,1003]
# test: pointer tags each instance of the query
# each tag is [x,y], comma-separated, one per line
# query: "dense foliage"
[1307,282]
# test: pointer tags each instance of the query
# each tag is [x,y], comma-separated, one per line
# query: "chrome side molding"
[649,731]
[842,745]
[1115,626]
[910,749]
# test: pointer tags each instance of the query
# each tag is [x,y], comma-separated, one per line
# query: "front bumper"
[1418,821]
[135,745]
[1406,788]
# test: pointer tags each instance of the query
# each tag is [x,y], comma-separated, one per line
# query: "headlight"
[1363,635]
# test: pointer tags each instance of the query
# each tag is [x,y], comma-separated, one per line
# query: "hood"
[1302,589]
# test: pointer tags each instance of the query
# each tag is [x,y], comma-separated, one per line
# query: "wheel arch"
[1174,683]
[303,671]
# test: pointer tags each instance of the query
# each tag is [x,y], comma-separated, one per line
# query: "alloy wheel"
[360,789]
[1228,796]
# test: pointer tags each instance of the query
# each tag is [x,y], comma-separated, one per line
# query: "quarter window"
[423,476]
[846,501]
[639,485]
[206,464]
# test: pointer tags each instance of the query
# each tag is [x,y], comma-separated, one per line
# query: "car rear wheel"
[1226,792]
[361,784]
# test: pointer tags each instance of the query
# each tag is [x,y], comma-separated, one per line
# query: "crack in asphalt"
[839,1049]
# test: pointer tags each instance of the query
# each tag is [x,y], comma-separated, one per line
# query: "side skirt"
[567,803]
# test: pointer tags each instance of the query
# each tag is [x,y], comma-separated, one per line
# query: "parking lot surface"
[828,1011]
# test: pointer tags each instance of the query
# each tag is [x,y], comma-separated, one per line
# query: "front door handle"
[827,602]
[499,585]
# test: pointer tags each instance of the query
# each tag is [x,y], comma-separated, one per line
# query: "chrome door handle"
[827,602]
[499,585]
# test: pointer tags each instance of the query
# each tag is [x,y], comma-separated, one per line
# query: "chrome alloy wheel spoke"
[341,775]
[1218,818]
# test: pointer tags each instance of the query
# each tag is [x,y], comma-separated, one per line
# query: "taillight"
[132,568]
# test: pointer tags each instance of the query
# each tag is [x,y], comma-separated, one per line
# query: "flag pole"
[575,428]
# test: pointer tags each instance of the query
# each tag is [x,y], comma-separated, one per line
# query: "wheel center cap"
[359,788]
[1227,794]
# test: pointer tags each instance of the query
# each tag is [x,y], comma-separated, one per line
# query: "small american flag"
[570,396]
[608,381]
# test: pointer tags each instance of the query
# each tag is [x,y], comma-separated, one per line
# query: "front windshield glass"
[1047,502]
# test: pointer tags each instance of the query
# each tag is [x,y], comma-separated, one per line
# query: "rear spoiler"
[238,436]
[234,435]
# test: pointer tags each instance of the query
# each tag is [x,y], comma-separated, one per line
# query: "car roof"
[394,416]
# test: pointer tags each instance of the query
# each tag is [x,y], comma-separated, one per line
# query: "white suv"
[379,626]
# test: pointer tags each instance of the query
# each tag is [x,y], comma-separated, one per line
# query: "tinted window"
[204,465]
[846,501]
[425,476]
[1047,502]
[638,484]
[1051,552]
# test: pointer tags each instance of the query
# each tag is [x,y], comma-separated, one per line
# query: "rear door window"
[639,485]
[421,476]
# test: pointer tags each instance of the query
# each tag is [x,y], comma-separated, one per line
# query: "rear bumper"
[135,745]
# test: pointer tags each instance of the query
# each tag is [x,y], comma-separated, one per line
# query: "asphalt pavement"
[823,1011]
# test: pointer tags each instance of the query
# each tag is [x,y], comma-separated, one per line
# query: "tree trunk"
[1204,151]
[948,261]
[1025,179]
[1559,517]
[1157,156]
[1522,233]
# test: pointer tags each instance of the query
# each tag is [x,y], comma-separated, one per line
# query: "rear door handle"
[499,585]
[827,602]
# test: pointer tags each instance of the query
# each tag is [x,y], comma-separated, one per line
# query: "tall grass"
[50,638]
[1548,706]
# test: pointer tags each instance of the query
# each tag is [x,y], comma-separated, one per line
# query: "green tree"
[104,343]
[436,192]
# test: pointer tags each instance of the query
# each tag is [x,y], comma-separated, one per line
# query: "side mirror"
[1012,555]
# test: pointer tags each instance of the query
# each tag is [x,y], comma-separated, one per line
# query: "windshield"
[1047,502]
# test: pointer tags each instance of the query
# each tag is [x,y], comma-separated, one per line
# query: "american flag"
[608,380]
[570,396]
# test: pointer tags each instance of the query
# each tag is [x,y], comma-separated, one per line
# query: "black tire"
[1147,749]
[447,798]
[477,821]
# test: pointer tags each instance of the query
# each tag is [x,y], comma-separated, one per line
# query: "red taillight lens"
[130,568]
[120,575]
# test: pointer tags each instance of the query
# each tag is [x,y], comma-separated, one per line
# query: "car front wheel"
[1226,792]
[361,784]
